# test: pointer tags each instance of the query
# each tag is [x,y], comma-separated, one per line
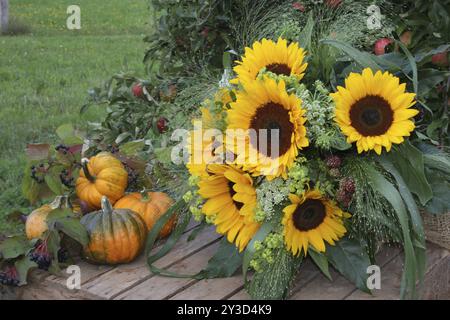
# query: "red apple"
[406,37]
[162,124]
[440,59]
[298,6]
[381,44]
[333,3]
[138,90]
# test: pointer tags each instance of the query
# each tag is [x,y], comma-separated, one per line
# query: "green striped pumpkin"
[115,235]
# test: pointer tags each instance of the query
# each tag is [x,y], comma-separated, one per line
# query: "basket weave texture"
[437,228]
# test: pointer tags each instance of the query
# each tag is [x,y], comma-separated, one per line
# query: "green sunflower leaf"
[321,261]
[380,184]
[409,162]
[265,229]
[349,258]
[224,263]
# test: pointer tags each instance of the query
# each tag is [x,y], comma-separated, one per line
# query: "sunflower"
[276,57]
[232,200]
[311,219]
[203,149]
[374,110]
[262,106]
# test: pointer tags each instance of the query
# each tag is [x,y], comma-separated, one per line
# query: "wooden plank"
[123,277]
[159,287]
[391,276]
[211,289]
[321,288]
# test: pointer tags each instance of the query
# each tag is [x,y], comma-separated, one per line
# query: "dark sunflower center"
[271,116]
[309,215]
[371,116]
[232,193]
[279,68]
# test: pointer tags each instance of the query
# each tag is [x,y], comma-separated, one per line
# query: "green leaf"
[408,160]
[14,247]
[440,204]
[439,162]
[53,246]
[348,257]
[305,36]
[54,182]
[407,198]
[67,134]
[418,237]
[364,59]
[380,184]
[132,147]
[265,229]
[224,263]
[23,265]
[321,261]
[412,63]
[122,137]
[67,223]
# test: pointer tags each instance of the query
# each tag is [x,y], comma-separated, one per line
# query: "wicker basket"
[437,228]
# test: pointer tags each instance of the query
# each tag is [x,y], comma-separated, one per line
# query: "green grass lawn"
[45,75]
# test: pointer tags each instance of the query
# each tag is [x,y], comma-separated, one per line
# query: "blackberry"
[66,178]
[41,256]
[63,255]
[334,172]
[333,161]
[348,185]
[343,198]
[9,277]
[34,172]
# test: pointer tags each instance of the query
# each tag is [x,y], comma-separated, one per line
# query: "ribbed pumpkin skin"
[150,210]
[36,224]
[110,179]
[115,237]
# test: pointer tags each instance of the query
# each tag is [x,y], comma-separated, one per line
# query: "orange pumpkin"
[102,175]
[115,235]
[36,224]
[150,206]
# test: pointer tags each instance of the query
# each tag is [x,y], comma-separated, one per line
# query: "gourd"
[115,235]
[101,175]
[36,224]
[150,206]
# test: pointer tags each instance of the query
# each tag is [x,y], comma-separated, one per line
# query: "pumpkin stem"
[61,202]
[145,197]
[87,174]
[106,205]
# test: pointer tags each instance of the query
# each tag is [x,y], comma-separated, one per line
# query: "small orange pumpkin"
[115,235]
[150,206]
[102,175]
[36,224]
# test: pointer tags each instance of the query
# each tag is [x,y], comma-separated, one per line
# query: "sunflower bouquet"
[287,171]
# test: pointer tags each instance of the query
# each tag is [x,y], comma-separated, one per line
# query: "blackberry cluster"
[66,178]
[113,149]
[35,170]
[333,163]
[9,277]
[346,190]
[62,148]
[41,256]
